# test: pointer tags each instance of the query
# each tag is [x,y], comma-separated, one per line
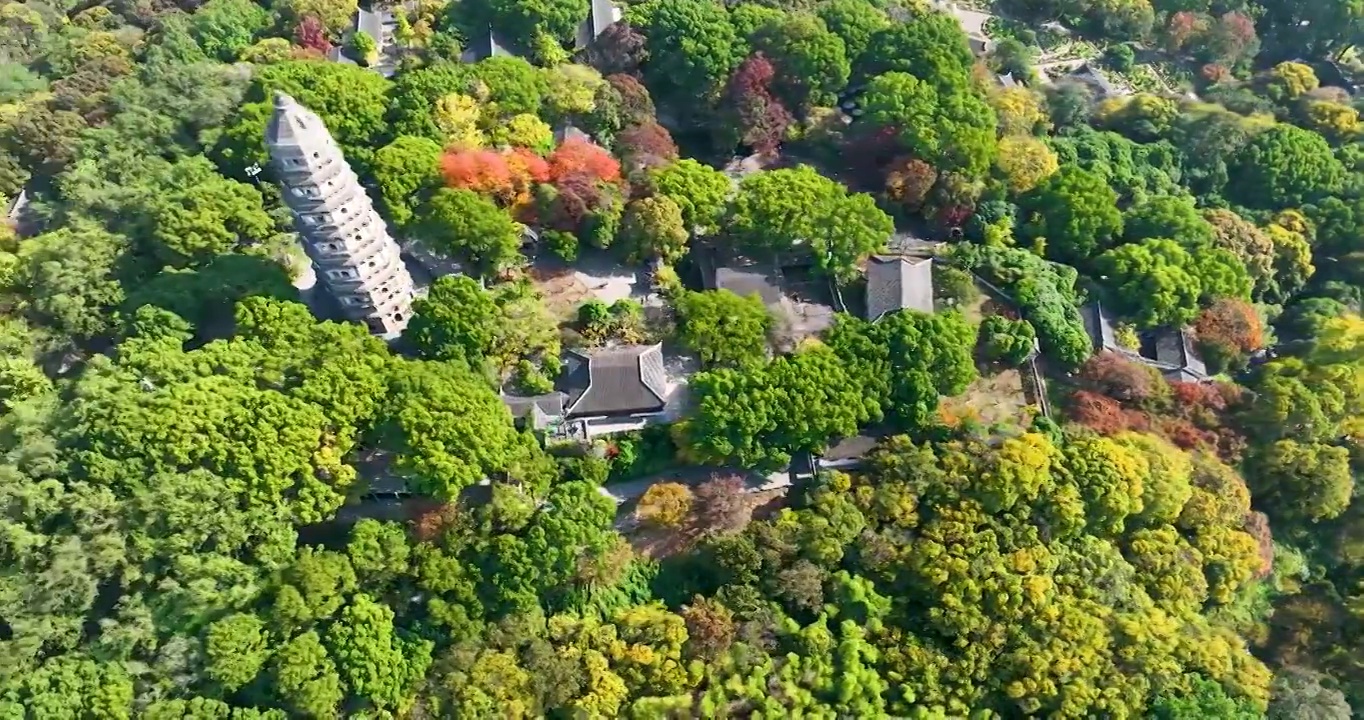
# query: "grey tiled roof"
[898,283]
[371,24]
[335,54]
[1176,348]
[744,283]
[1092,77]
[484,46]
[626,380]
[537,410]
[857,446]
[569,131]
[1100,327]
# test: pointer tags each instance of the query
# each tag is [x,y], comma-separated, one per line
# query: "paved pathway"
[624,492]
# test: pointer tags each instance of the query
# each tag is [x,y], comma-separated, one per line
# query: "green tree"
[20,380]
[932,47]
[313,588]
[1075,211]
[68,277]
[306,678]
[224,28]
[43,140]
[1007,341]
[1285,166]
[205,296]
[700,191]
[780,210]
[653,228]
[757,418]
[1167,216]
[811,62]
[406,170]
[1151,282]
[724,329]
[203,221]
[906,360]
[363,48]
[855,21]
[1303,481]
[1251,246]
[466,224]
[371,659]
[72,686]
[692,47]
[237,647]
[457,320]
[1206,699]
[524,20]
[951,128]
[378,551]
[1046,292]
[448,429]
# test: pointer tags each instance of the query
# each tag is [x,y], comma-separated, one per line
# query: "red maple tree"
[636,105]
[576,157]
[759,117]
[647,145]
[483,171]
[312,35]
[1103,414]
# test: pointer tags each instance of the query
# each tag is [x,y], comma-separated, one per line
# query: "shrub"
[665,504]
[1121,58]
[954,287]
[363,47]
[564,245]
[1045,293]
[1007,341]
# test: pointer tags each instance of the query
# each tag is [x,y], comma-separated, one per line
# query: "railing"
[1039,386]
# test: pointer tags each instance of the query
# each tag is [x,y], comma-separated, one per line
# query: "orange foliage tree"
[509,177]
[1227,331]
[576,157]
[1104,415]
[527,170]
[909,180]
[483,171]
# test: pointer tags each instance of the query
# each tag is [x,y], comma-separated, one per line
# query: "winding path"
[629,490]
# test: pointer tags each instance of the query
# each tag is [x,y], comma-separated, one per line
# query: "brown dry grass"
[563,292]
[657,543]
[995,397]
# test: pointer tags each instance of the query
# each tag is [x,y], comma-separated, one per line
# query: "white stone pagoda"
[355,258]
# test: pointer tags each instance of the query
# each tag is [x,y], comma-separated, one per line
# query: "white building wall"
[354,256]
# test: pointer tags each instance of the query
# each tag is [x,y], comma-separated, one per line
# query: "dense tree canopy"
[783,210]
[952,130]
[724,328]
[462,223]
[1075,212]
[1284,167]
